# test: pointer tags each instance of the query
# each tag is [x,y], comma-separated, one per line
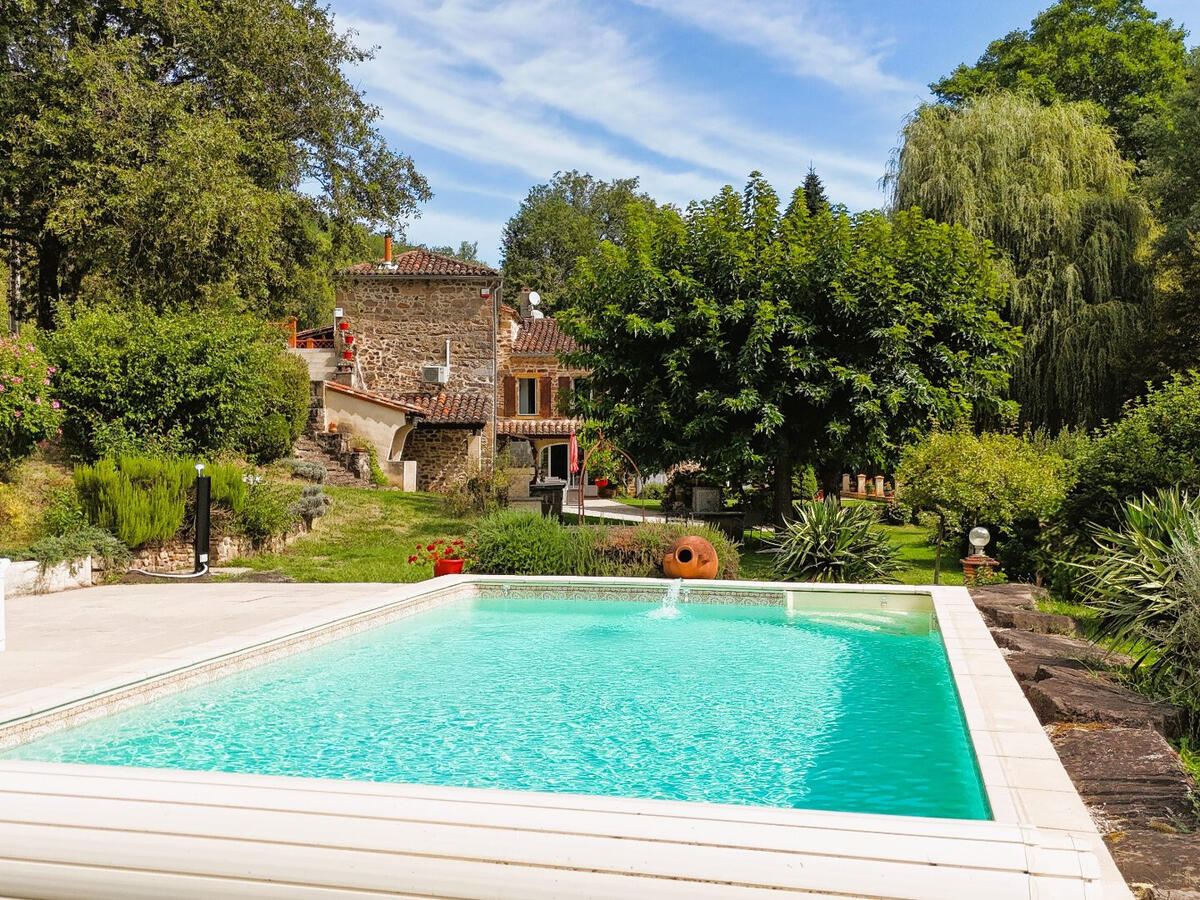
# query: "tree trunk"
[783,482]
[937,556]
[49,260]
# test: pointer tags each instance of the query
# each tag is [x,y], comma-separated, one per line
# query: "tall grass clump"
[826,541]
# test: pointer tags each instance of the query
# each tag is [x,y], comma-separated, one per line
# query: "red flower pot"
[349,339]
[447,567]
[601,482]
[343,326]
[348,354]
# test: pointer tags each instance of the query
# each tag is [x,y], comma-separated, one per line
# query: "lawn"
[365,536]
[368,536]
[651,505]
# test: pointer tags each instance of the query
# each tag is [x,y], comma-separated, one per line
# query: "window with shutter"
[510,396]
[544,408]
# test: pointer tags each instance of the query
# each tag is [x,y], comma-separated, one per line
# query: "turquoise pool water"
[727,704]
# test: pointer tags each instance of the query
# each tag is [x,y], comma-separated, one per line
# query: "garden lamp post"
[203,498]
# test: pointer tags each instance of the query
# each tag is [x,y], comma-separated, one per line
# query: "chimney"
[387,249]
[524,307]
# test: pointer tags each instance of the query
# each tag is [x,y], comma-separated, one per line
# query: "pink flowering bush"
[28,414]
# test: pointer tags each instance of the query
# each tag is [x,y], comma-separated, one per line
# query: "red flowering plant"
[28,416]
[439,549]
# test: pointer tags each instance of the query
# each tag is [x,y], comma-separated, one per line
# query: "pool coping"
[1026,784]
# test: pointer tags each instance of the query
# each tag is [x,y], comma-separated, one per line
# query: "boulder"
[1131,775]
[1062,694]
[1058,647]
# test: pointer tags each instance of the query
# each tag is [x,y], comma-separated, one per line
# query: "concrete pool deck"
[82,654]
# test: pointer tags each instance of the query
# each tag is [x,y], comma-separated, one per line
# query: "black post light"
[203,504]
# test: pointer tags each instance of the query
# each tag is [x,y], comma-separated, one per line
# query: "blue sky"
[492,97]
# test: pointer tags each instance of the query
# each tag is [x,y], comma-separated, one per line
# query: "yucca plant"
[827,541]
[1145,581]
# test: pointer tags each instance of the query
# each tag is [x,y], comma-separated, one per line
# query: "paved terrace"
[65,646]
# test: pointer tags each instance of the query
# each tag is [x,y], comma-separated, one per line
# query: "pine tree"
[814,193]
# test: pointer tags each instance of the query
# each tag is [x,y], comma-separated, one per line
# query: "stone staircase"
[327,450]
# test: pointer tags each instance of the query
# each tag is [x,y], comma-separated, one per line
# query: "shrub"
[637,551]
[1155,445]
[269,510]
[78,543]
[1145,581]
[312,504]
[991,479]
[64,513]
[144,499]
[516,542]
[512,542]
[894,513]
[830,542]
[28,414]
[309,471]
[653,491]
[186,382]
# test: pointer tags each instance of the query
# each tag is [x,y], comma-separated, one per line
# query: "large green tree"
[1048,187]
[187,151]
[1115,54]
[561,222]
[754,339]
[1173,183]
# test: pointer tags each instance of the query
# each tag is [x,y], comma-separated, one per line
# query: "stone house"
[442,373]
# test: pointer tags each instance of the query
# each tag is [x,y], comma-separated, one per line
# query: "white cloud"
[537,86]
[795,35]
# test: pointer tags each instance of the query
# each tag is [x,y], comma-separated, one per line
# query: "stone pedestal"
[862,484]
[845,484]
[878,485]
[706,499]
[408,475]
[981,564]
[518,483]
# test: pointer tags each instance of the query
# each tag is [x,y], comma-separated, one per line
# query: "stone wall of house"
[402,324]
[442,455]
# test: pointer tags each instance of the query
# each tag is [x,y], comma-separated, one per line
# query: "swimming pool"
[849,710]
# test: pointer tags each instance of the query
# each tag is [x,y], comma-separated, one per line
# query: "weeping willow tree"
[1048,187]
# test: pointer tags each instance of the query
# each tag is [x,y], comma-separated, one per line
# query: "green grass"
[651,505]
[366,536]
[369,535]
[912,541]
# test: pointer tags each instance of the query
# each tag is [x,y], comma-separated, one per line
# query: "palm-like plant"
[1145,581]
[826,541]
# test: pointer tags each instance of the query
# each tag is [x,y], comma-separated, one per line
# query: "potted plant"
[447,556]
[602,465]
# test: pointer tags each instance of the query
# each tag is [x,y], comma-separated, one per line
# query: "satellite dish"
[534,298]
[537,314]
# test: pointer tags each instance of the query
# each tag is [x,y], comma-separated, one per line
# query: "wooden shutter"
[510,396]
[544,408]
[564,392]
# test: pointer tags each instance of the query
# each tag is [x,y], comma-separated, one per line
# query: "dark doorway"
[558,461]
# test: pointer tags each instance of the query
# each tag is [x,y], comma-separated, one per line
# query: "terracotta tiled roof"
[542,336]
[450,409]
[370,397]
[539,427]
[422,262]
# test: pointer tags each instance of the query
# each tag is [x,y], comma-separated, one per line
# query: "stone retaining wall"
[177,556]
